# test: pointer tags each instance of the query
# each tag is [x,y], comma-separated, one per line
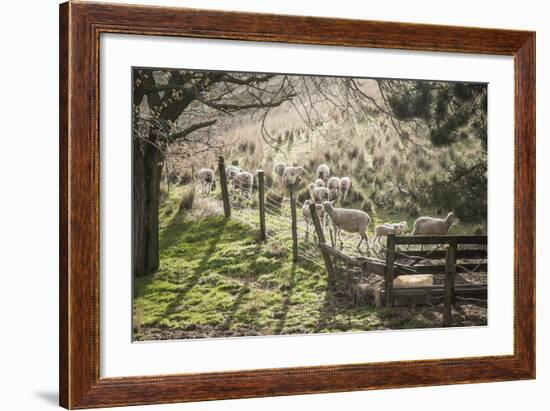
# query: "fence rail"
[392,267]
[441,239]
[441,254]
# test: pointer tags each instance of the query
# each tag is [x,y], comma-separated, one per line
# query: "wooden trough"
[399,263]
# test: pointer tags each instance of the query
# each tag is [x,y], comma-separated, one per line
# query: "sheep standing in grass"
[319,183]
[244,182]
[433,225]
[332,185]
[279,169]
[231,172]
[323,172]
[318,194]
[208,180]
[349,220]
[343,188]
[293,175]
[306,213]
[385,229]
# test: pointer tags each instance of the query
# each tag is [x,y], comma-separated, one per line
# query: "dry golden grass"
[364,147]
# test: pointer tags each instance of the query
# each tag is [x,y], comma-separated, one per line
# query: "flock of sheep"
[241,181]
[324,192]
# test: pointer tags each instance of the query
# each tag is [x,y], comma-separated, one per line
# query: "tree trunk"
[147,170]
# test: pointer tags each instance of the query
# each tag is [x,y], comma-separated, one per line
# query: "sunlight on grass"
[215,280]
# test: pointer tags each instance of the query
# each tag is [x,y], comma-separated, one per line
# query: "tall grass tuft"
[354,153]
[187,199]
[163,194]
[139,314]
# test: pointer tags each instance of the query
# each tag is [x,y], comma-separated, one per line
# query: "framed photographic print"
[257,205]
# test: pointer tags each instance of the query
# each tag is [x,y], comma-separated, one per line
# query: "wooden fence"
[397,262]
[223,186]
[393,266]
[260,177]
[451,253]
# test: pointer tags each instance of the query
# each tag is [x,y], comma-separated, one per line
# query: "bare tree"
[186,112]
[181,108]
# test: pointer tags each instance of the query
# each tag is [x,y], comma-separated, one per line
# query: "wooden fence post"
[261,204]
[294,223]
[321,239]
[450,270]
[167,180]
[223,185]
[332,239]
[390,260]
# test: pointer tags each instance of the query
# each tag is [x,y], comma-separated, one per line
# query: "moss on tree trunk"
[147,167]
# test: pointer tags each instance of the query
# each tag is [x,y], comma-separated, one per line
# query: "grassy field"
[217,280]
[388,181]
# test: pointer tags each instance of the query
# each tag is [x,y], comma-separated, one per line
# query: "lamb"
[343,188]
[306,213]
[349,220]
[332,185]
[244,182]
[433,225]
[318,194]
[323,172]
[279,169]
[231,172]
[208,180]
[383,230]
[293,175]
[319,183]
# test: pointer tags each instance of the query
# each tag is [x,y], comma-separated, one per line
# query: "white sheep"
[323,172]
[231,172]
[349,220]
[343,188]
[208,180]
[306,213]
[244,181]
[293,175]
[279,169]
[319,183]
[385,229]
[332,185]
[433,225]
[318,194]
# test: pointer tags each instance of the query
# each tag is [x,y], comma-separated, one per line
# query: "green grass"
[217,280]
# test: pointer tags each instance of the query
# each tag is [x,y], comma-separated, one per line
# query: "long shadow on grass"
[232,310]
[202,266]
[326,313]
[169,235]
[286,301]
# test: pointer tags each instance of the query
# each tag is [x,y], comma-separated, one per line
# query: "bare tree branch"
[189,130]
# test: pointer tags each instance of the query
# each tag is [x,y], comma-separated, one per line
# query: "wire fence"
[245,206]
[282,219]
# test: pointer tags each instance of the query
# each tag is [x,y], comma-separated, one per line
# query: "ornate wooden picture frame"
[80,27]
